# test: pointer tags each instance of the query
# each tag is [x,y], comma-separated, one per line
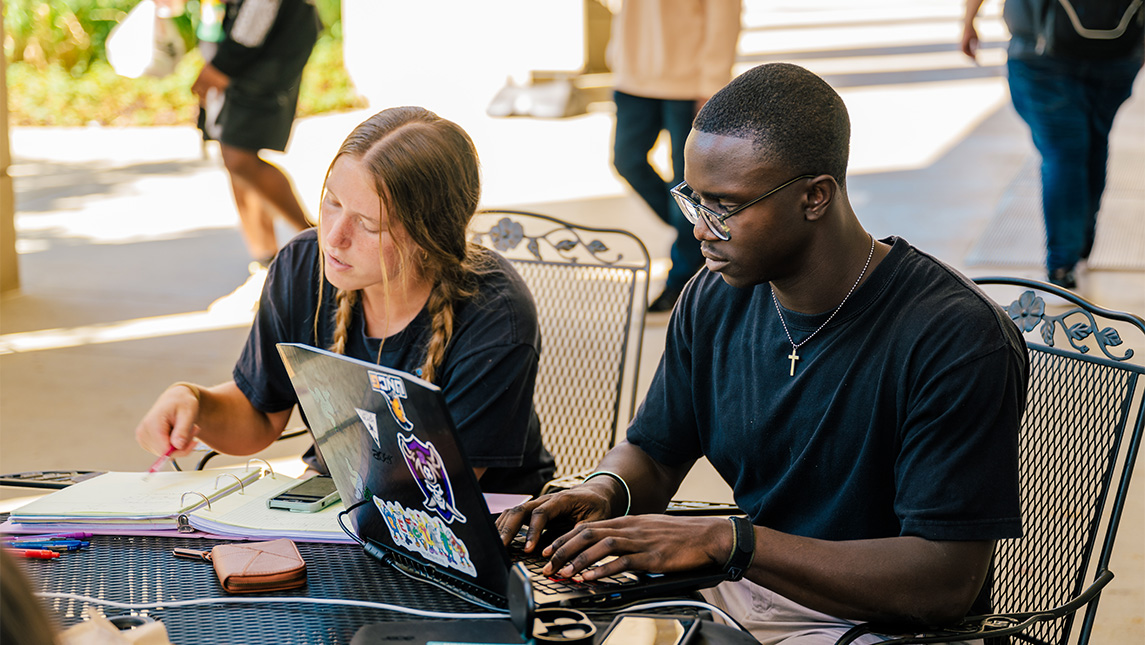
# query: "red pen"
[159,463]
[36,554]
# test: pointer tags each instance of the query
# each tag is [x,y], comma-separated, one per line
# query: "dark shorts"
[253,120]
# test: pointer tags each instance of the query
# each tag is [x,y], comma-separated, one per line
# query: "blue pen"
[79,535]
[79,543]
[70,545]
[51,547]
[47,540]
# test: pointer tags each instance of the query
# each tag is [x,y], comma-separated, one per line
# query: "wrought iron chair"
[591,290]
[1078,444]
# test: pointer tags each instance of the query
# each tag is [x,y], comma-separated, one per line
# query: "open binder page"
[129,498]
[245,514]
[173,503]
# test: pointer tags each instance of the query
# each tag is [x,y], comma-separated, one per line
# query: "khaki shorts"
[772,618]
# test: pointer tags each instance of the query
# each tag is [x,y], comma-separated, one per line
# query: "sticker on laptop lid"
[428,470]
[394,389]
[370,420]
[359,484]
[416,530]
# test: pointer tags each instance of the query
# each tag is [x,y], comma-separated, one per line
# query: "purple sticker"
[428,471]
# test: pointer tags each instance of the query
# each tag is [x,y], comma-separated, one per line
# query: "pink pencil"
[159,463]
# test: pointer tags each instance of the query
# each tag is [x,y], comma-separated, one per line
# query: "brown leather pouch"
[255,567]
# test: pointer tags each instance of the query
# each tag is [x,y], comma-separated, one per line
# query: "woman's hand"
[171,421]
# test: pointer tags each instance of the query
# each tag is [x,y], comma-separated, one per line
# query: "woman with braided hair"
[388,276]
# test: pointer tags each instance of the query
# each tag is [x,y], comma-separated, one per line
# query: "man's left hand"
[652,543]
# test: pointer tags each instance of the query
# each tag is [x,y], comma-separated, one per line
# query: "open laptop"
[390,443]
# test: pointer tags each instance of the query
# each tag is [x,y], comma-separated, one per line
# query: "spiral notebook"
[227,502]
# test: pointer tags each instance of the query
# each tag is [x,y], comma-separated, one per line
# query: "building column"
[9,265]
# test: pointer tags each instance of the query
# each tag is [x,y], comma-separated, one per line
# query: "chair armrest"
[980,627]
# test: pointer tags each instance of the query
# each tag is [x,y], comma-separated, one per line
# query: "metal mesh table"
[136,569]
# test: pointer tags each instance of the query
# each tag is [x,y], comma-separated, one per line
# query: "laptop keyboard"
[554,585]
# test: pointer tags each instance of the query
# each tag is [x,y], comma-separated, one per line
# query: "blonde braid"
[440,307]
[343,315]
[455,283]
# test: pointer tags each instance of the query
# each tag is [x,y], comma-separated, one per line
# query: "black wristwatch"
[743,548]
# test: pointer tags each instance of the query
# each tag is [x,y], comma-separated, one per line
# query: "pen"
[35,554]
[56,541]
[81,535]
[53,542]
[159,463]
[37,547]
[66,545]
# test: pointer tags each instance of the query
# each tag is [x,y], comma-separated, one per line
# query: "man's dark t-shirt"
[902,417]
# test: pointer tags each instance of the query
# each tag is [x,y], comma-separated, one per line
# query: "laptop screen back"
[391,447]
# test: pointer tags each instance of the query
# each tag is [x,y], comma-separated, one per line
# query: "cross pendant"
[794,356]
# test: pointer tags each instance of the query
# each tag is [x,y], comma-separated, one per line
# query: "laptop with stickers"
[392,449]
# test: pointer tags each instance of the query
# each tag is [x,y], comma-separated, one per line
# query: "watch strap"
[743,548]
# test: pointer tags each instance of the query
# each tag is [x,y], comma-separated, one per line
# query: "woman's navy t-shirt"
[487,376]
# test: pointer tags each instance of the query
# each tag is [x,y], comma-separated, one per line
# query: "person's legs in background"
[261,188]
[1070,108]
[1053,102]
[685,254]
[639,122]
[638,126]
[255,220]
[1109,84]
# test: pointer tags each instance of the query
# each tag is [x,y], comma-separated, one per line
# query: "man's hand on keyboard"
[556,512]
[652,543]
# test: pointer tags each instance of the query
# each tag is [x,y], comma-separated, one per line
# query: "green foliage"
[330,11]
[53,97]
[58,72]
[326,87]
[67,33]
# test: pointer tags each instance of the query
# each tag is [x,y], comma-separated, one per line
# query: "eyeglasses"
[695,211]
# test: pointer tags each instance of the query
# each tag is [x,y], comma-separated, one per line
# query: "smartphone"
[651,629]
[307,496]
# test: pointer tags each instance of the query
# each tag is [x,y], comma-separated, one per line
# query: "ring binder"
[189,502]
[269,468]
[242,487]
[183,499]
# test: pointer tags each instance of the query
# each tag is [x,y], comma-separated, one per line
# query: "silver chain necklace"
[794,355]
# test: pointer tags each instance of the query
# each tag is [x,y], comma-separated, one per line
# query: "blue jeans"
[639,122]
[1069,106]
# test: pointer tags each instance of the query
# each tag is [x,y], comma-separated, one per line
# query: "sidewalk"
[128,235]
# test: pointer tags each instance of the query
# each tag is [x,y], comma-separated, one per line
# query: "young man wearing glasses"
[860,397]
